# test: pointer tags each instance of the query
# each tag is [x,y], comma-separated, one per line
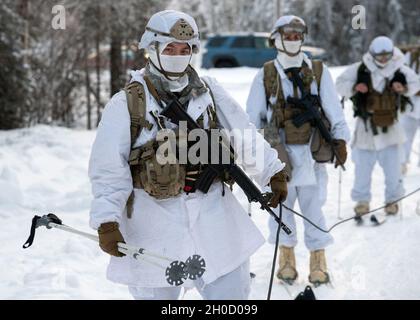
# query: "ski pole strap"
[40,221]
[30,240]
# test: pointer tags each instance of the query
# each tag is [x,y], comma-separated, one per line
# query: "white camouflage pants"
[410,125]
[311,199]
[235,285]
[389,160]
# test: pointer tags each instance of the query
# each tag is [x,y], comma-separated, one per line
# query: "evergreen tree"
[13,81]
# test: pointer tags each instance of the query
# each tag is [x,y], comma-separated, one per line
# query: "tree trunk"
[98,64]
[115,64]
[89,105]
[140,59]
[115,55]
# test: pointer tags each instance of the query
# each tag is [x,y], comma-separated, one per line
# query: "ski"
[304,290]
[359,221]
[307,294]
[375,220]
[300,289]
[287,285]
[378,219]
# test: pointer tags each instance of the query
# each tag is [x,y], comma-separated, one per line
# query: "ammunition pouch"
[157,171]
[271,134]
[321,150]
[383,108]
[278,116]
[296,134]
[160,180]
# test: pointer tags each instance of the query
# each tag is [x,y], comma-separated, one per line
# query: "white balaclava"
[174,67]
[166,27]
[171,64]
[381,71]
[290,54]
[381,46]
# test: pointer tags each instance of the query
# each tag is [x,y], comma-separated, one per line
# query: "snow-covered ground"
[44,169]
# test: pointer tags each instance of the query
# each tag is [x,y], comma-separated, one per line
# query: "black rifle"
[177,114]
[311,104]
[359,99]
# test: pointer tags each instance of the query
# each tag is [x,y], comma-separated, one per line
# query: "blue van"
[244,50]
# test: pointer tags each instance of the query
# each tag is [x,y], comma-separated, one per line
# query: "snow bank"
[42,170]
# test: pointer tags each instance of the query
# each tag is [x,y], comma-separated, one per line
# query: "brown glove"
[109,236]
[341,149]
[278,185]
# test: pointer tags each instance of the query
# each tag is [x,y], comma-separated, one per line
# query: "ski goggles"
[293,36]
[293,27]
[383,56]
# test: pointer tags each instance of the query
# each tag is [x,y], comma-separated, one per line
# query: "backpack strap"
[270,76]
[136,103]
[153,91]
[318,68]
[211,110]
[271,84]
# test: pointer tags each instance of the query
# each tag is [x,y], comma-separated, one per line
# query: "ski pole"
[402,210]
[340,177]
[249,209]
[176,272]
[52,221]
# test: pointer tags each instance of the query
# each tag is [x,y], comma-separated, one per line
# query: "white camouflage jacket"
[300,155]
[214,226]
[345,83]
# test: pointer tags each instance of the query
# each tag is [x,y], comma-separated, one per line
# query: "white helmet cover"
[289,20]
[283,25]
[171,26]
[381,45]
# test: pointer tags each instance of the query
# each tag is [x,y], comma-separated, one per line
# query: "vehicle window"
[216,42]
[243,42]
[261,43]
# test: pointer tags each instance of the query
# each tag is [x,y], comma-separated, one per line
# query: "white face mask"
[292,47]
[175,64]
[379,64]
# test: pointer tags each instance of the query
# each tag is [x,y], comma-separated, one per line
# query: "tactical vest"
[283,114]
[161,181]
[380,108]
